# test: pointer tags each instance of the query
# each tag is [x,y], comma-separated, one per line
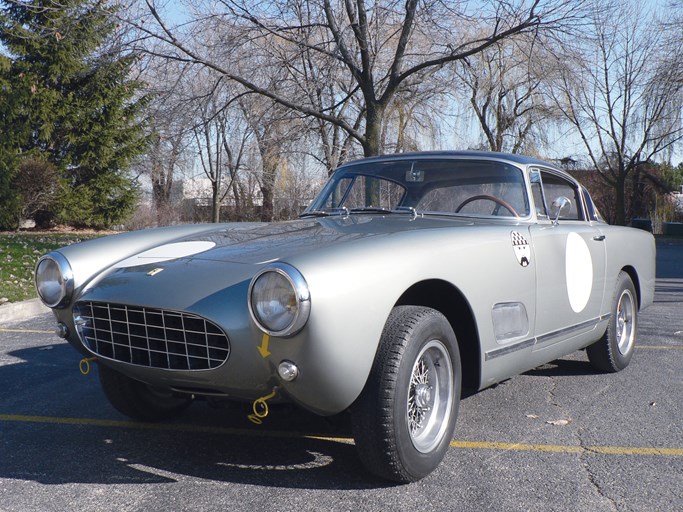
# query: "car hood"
[186,272]
[280,241]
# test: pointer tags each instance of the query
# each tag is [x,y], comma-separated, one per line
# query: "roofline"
[464,155]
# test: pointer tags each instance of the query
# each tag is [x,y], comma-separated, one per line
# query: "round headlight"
[54,280]
[279,300]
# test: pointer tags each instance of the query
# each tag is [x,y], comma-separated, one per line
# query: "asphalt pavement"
[558,438]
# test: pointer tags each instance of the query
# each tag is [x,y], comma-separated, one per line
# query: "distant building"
[193,198]
[198,192]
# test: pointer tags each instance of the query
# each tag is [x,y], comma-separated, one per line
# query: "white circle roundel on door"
[579,268]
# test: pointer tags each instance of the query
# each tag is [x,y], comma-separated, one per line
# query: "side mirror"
[560,204]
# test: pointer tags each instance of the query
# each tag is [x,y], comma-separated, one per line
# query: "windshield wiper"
[379,209]
[325,213]
[315,213]
[370,209]
[361,209]
[408,209]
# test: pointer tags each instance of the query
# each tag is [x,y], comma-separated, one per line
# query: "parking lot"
[560,437]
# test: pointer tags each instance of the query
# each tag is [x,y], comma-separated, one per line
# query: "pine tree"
[9,201]
[71,99]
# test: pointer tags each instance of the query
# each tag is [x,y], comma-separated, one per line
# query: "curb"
[20,311]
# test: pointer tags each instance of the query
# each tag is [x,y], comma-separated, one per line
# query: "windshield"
[448,186]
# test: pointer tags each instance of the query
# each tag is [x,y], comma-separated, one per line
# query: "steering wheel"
[496,200]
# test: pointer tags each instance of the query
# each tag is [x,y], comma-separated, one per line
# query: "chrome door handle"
[599,238]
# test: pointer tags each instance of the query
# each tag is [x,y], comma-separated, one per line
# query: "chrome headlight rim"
[66,283]
[302,294]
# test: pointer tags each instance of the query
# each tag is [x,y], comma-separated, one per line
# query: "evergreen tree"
[71,99]
[9,201]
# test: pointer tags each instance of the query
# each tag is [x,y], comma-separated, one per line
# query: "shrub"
[37,183]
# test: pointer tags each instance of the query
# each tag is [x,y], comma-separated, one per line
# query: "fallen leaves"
[556,423]
[559,423]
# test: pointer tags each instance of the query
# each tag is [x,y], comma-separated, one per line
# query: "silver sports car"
[407,277]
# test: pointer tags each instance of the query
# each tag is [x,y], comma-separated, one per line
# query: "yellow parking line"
[27,330]
[554,448]
[482,445]
[471,445]
[169,427]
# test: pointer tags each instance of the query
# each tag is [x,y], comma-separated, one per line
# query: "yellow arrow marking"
[263,347]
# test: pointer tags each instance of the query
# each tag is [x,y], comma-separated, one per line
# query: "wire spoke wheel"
[613,351]
[430,396]
[626,326]
[404,418]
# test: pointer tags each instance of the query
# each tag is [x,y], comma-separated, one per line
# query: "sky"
[561,142]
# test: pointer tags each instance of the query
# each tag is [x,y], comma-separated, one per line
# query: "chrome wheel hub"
[430,396]
[423,396]
[625,322]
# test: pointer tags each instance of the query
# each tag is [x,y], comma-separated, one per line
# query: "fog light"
[288,371]
[62,330]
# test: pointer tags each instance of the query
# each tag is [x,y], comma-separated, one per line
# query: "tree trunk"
[215,202]
[238,199]
[372,143]
[270,163]
[620,207]
[267,206]
[158,178]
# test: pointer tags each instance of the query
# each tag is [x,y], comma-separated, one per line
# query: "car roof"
[506,157]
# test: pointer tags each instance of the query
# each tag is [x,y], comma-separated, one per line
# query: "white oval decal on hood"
[166,252]
[579,268]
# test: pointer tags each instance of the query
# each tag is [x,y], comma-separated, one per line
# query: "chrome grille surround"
[155,338]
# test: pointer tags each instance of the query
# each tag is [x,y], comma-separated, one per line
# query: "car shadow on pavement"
[58,428]
[563,368]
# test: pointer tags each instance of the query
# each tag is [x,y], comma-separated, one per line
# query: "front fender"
[91,257]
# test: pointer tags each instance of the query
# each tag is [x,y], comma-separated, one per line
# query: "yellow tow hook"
[84,365]
[260,408]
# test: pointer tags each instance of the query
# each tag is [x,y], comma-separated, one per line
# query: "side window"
[481,190]
[555,186]
[537,193]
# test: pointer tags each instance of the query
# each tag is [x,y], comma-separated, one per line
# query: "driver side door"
[570,265]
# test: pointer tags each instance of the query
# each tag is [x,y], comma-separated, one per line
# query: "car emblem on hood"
[155,271]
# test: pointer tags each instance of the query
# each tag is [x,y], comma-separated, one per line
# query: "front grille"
[156,338]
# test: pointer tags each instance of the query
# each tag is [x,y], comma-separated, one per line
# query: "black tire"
[398,435]
[139,400]
[614,350]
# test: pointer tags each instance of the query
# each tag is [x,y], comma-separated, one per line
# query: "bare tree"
[296,186]
[621,91]
[37,184]
[166,155]
[275,130]
[504,87]
[270,137]
[168,117]
[221,138]
[383,47]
